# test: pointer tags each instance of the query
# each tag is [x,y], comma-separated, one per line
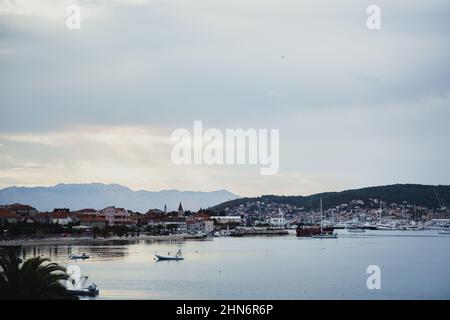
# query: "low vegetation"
[35,279]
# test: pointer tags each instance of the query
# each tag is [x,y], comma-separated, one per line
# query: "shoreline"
[80,241]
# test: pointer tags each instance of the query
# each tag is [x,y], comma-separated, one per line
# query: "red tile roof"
[7,214]
[86,210]
[93,219]
[18,206]
[59,215]
[200,215]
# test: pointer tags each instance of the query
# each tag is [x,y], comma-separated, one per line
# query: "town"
[254,217]
[374,213]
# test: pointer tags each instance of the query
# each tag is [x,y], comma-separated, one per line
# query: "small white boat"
[222,233]
[78,256]
[82,290]
[176,257]
[444,232]
[325,236]
[355,230]
[196,236]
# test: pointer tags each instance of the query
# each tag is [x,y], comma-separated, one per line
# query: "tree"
[36,279]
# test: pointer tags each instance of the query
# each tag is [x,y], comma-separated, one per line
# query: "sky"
[354,107]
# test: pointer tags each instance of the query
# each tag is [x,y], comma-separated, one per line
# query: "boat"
[356,230]
[223,233]
[323,234]
[444,231]
[78,256]
[197,236]
[176,257]
[309,231]
[89,291]
[243,232]
[315,231]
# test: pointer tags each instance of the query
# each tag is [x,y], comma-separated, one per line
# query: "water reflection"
[265,268]
[61,253]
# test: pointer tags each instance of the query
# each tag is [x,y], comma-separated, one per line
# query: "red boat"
[309,231]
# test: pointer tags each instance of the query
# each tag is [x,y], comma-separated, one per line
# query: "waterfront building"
[61,218]
[42,217]
[93,221]
[200,222]
[87,211]
[21,209]
[117,216]
[278,221]
[7,216]
[227,219]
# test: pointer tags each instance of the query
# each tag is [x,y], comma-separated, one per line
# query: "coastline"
[86,240]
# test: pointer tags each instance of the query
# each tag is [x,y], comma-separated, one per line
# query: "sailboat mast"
[380,211]
[320,215]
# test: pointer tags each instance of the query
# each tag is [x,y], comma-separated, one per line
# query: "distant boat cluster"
[356,216]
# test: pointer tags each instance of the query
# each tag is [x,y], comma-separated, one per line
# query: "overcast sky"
[354,107]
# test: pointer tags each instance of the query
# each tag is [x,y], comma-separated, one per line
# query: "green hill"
[429,196]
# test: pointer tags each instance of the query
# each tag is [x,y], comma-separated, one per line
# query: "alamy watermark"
[374,280]
[73,21]
[75,277]
[374,19]
[235,146]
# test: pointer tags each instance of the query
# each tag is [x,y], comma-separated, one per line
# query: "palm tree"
[35,279]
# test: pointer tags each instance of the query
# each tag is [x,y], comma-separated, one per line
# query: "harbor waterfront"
[413,264]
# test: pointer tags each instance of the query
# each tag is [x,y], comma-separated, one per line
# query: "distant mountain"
[99,196]
[421,195]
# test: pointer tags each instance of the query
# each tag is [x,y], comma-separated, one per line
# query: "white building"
[200,225]
[60,218]
[278,220]
[227,219]
[117,216]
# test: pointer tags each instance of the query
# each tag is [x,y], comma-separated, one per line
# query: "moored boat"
[258,232]
[90,291]
[325,236]
[78,256]
[319,232]
[309,231]
[176,257]
[81,289]
[196,236]
[356,230]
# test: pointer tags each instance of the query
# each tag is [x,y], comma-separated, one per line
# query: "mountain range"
[99,196]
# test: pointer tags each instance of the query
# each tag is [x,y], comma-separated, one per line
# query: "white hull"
[325,236]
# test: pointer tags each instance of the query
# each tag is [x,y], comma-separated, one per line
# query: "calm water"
[414,265]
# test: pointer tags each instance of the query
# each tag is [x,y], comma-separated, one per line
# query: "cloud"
[56,10]
[352,105]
